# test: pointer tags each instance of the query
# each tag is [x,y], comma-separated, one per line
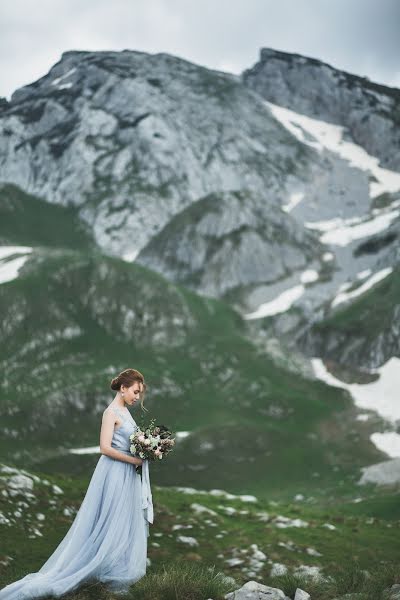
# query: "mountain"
[228,242]
[131,139]
[345,198]
[136,143]
[369,111]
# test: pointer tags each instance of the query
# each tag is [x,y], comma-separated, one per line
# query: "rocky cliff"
[277,190]
[370,111]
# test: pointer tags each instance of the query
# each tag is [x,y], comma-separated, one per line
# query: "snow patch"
[88,450]
[388,442]
[383,473]
[308,276]
[364,274]
[9,267]
[345,296]
[58,79]
[321,136]
[294,199]
[380,395]
[363,417]
[130,256]
[280,304]
[341,232]
[329,526]
[180,435]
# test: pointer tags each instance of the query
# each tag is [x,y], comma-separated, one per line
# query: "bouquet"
[152,442]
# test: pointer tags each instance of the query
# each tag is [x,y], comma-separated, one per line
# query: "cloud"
[359,36]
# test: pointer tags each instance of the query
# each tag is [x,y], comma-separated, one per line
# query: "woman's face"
[132,393]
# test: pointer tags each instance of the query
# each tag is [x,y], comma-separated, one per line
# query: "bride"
[107,540]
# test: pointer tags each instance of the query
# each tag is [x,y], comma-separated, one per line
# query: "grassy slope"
[362,333]
[368,315]
[269,428]
[29,221]
[366,531]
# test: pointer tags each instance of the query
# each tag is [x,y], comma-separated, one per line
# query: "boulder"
[253,590]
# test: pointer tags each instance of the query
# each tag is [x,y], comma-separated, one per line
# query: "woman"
[107,540]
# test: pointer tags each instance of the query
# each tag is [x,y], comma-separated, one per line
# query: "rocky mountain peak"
[369,110]
[132,138]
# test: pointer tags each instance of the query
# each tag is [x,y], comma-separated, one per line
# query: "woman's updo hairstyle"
[127,378]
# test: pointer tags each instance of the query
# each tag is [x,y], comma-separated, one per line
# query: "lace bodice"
[120,439]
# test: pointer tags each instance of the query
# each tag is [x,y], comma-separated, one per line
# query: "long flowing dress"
[107,540]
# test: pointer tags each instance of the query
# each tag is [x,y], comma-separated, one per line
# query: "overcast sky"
[359,36]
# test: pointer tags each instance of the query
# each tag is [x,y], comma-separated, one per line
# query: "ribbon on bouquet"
[147,499]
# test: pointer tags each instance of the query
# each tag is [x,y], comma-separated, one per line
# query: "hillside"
[73,318]
[362,332]
[243,536]
[32,221]
[229,242]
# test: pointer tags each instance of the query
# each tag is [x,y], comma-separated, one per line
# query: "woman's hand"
[138,461]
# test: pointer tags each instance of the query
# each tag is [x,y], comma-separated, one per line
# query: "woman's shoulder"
[110,410]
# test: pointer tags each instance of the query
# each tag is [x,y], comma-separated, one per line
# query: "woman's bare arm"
[106,433]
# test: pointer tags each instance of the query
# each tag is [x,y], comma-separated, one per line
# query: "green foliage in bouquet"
[151,441]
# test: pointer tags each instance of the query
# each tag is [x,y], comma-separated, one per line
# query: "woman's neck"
[118,401]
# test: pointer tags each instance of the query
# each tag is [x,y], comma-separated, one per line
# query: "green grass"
[357,540]
[349,581]
[192,581]
[171,581]
[367,325]
[31,221]
[370,314]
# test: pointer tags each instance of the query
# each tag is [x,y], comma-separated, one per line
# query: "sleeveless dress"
[107,540]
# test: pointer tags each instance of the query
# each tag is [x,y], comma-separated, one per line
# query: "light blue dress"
[107,540]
